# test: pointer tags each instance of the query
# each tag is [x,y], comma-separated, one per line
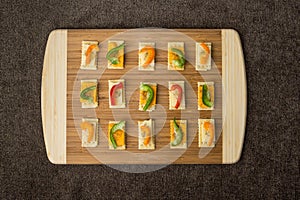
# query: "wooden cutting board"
[62,113]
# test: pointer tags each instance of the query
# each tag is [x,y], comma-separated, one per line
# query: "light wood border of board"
[53,96]
[234,96]
[54,88]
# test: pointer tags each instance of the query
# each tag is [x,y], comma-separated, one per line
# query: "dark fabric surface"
[269,166]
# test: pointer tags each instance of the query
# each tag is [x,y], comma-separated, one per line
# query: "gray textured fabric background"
[269,166]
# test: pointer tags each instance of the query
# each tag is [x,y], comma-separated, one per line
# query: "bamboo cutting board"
[62,112]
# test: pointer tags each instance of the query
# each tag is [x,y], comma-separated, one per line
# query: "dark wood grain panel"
[162,154]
